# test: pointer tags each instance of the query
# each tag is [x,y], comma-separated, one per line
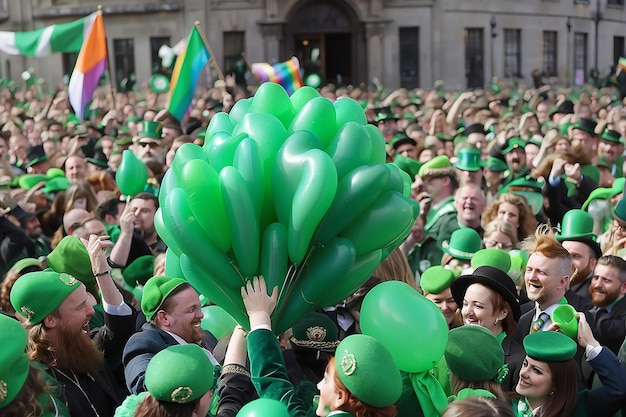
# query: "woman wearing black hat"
[547,380]
[488,298]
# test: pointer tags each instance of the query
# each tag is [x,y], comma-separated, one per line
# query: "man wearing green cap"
[515,156]
[468,166]
[56,312]
[585,146]
[173,314]
[611,148]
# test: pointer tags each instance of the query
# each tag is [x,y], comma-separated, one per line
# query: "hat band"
[459,253]
[313,344]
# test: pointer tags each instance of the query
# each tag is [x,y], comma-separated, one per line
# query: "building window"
[409,56]
[580,57]
[155,44]
[124,50]
[618,48]
[615,2]
[550,53]
[512,53]
[234,45]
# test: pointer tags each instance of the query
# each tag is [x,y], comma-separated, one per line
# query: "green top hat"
[408,165]
[71,257]
[139,271]
[463,244]
[156,290]
[612,136]
[586,125]
[150,130]
[14,365]
[37,294]
[513,143]
[386,114]
[20,266]
[179,374]
[436,279]
[469,159]
[368,371]
[549,346]
[495,164]
[315,331]
[439,166]
[566,107]
[99,159]
[474,354]
[577,225]
[492,257]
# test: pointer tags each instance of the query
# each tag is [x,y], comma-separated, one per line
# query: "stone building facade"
[400,42]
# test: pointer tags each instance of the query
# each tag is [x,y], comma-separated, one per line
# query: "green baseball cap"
[14,363]
[156,290]
[549,346]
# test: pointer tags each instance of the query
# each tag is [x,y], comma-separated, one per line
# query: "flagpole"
[245,59]
[220,75]
[109,65]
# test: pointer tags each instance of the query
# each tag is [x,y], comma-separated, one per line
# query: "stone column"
[273,34]
[374,36]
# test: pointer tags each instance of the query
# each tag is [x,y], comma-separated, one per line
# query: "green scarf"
[521,408]
[429,393]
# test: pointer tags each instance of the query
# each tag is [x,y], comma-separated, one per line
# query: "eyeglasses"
[152,145]
[495,244]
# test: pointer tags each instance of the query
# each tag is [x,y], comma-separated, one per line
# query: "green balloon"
[172,265]
[302,96]
[355,193]
[377,144]
[318,117]
[243,220]
[313,80]
[263,407]
[267,131]
[274,260]
[349,110]
[396,179]
[349,148]
[381,223]
[221,150]
[363,268]
[273,99]
[201,185]
[220,122]
[217,321]
[187,152]
[169,182]
[248,163]
[132,174]
[240,108]
[164,232]
[408,324]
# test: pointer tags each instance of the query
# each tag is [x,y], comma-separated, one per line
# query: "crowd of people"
[522,217]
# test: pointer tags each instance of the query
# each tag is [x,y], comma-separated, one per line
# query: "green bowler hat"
[474,354]
[495,164]
[463,244]
[436,279]
[156,290]
[37,294]
[368,371]
[150,130]
[492,257]
[315,331]
[71,257]
[13,360]
[549,346]
[613,136]
[586,125]
[439,166]
[513,143]
[179,374]
[469,159]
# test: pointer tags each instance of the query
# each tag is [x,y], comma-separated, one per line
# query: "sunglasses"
[152,145]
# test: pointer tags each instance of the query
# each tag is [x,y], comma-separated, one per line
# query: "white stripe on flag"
[7,43]
[43,46]
[88,24]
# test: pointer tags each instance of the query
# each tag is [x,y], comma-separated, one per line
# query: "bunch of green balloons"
[296,189]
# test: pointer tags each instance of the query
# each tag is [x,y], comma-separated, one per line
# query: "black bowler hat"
[475,128]
[586,125]
[35,155]
[567,107]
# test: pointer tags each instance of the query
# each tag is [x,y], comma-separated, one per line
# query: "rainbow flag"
[90,65]
[285,73]
[187,69]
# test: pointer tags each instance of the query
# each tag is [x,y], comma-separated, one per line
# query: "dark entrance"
[474,58]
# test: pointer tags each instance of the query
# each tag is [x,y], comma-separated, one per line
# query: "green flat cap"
[439,166]
[436,279]
[37,294]
[463,244]
[156,290]
[179,374]
[492,257]
[549,346]
[315,331]
[367,370]
[474,354]
[71,257]
[13,360]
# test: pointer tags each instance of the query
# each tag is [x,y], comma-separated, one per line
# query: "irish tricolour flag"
[63,37]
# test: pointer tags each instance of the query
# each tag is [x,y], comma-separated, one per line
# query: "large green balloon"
[187,152]
[263,407]
[169,182]
[164,232]
[243,220]
[220,122]
[201,185]
[377,144]
[409,325]
[318,117]
[240,108]
[274,260]
[381,223]
[268,132]
[350,148]
[355,193]
[132,174]
[217,321]
[172,265]
[273,99]
[363,268]
[349,110]
[221,150]
[302,96]
[248,163]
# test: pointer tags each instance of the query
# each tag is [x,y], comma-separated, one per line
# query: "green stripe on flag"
[62,37]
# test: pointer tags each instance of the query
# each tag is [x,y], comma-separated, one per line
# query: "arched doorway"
[327,38]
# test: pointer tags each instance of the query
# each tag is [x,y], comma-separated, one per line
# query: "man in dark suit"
[607,290]
[172,309]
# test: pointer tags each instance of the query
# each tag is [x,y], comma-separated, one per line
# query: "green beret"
[436,279]
[179,374]
[28,181]
[492,257]
[139,271]
[37,294]
[367,370]
[549,346]
[55,184]
[22,264]
[620,210]
[474,354]
[495,164]
[438,166]
[71,257]
[156,290]
[315,331]
[13,360]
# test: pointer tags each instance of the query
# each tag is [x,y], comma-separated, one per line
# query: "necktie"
[538,324]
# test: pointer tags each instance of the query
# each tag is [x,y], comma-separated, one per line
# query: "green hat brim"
[549,346]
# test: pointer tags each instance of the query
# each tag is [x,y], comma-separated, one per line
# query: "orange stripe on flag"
[95,44]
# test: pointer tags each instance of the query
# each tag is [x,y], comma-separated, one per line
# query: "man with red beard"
[172,309]
[56,312]
[607,290]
